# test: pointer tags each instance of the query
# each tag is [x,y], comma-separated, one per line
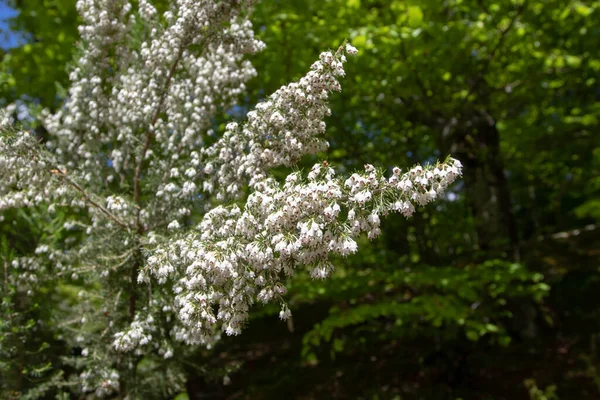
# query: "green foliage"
[538,394]
[38,69]
[473,301]
[30,344]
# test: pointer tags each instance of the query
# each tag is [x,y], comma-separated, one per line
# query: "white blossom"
[129,147]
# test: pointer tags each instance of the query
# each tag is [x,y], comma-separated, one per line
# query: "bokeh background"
[490,293]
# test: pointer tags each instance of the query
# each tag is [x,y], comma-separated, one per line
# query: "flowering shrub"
[135,147]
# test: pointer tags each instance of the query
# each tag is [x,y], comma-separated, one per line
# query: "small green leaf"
[354,3]
[359,41]
[415,16]
[573,61]
[583,10]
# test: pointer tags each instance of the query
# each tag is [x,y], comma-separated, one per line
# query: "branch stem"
[88,198]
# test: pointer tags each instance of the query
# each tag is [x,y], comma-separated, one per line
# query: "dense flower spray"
[129,147]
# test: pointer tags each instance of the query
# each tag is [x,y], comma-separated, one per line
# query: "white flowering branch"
[236,256]
[131,135]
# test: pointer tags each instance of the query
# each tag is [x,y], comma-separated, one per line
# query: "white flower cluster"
[25,175]
[278,132]
[102,382]
[137,335]
[27,271]
[149,107]
[119,206]
[129,146]
[237,256]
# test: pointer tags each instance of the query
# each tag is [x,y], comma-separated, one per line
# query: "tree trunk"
[486,187]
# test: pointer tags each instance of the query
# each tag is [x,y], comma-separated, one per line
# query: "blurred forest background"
[492,293]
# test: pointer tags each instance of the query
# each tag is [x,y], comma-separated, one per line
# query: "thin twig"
[88,198]
[568,234]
